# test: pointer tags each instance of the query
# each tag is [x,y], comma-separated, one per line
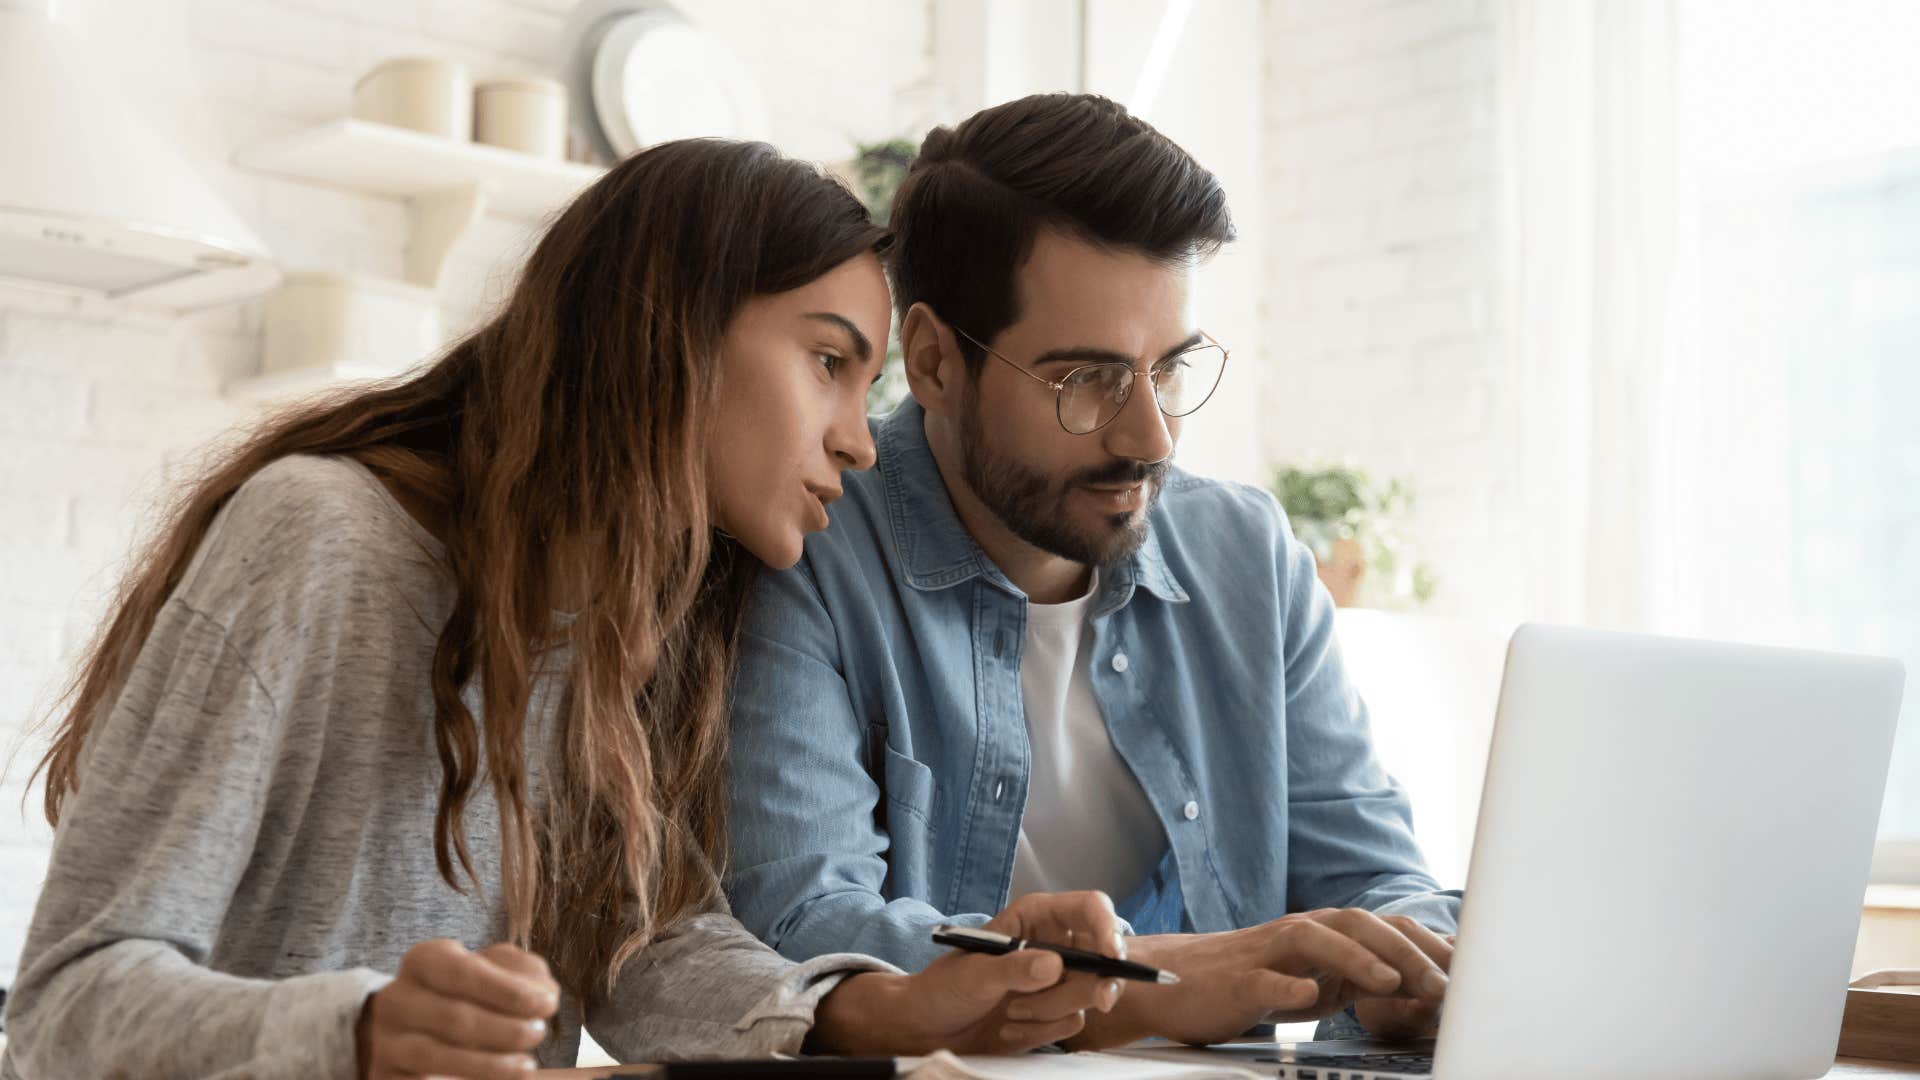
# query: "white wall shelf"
[379,159]
[448,186]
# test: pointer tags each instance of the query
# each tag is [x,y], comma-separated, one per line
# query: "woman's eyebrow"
[860,343]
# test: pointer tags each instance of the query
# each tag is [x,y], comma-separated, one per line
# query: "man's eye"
[829,361]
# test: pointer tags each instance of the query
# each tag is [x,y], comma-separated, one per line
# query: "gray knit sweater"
[251,846]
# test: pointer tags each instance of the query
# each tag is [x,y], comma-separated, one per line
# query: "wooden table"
[1844,1067]
[1863,1067]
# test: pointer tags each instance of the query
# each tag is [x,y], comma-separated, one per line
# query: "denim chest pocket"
[909,789]
[909,826]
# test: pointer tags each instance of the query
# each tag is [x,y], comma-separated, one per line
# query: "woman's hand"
[457,1013]
[978,1004]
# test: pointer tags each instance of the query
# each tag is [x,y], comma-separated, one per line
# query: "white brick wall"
[96,416]
[1380,269]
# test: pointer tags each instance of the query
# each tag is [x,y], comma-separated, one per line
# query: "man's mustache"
[1123,472]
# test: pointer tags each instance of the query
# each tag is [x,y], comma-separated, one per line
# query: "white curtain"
[1710,219]
[1592,221]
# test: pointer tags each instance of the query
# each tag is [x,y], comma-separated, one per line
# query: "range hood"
[95,205]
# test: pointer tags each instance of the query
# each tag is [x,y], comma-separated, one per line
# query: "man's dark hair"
[967,213]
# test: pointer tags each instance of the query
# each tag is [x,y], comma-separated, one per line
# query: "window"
[1807,165]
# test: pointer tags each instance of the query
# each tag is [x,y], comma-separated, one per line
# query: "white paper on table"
[1134,1065]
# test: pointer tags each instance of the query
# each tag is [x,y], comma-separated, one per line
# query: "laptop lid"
[1671,858]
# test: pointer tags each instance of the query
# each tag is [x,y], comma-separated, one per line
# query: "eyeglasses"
[1089,397]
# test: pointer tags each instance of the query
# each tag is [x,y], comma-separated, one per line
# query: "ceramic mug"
[528,115]
[423,93]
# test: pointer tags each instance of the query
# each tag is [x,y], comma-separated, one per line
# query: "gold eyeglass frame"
[1059,387]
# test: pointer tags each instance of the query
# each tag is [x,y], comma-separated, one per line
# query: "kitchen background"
[1454,271]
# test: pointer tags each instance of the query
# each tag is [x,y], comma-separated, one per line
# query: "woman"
[439,667]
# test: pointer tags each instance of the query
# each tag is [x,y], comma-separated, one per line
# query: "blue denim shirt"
[879,746]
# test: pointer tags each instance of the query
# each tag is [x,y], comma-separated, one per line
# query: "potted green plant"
[876,171]
[1356,529]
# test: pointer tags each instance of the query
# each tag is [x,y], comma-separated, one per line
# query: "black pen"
[986,941]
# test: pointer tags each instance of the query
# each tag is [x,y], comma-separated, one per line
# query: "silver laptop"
[1669,868]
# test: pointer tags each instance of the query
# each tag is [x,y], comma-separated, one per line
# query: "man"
[1030,655]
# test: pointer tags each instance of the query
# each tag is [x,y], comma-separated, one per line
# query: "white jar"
[423,93]
[528,115]
[348,325]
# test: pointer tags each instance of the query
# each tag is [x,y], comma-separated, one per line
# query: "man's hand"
[1298,967]
[1401,1017]
[980,1004]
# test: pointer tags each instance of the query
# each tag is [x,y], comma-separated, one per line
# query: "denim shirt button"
[1120,662]
[1191,810]
[999,789]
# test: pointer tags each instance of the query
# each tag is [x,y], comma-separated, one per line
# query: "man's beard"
[1036,511]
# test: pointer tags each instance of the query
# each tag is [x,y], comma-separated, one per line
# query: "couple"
[442,719]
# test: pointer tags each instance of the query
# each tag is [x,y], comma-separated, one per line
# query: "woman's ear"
[936,372]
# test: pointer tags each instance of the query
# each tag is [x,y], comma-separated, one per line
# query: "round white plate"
[656,78]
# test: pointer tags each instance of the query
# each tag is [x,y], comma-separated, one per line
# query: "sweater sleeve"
[114,978]
[706,988]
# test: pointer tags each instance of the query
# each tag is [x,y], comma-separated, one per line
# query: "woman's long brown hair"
[576,420]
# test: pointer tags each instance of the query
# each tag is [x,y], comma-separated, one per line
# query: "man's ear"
[936,372]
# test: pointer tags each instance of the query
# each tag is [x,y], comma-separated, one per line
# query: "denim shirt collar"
[937,551]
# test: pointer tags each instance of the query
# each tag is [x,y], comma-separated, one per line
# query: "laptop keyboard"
[1353,1066]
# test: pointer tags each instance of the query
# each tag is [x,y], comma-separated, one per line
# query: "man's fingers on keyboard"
[1276,992]
[1314,945]
[1436,947]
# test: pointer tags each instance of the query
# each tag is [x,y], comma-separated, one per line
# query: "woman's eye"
[829,361]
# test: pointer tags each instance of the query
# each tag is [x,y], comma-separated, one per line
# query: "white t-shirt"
[1088,824]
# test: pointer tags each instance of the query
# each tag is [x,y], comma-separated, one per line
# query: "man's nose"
[1141,431]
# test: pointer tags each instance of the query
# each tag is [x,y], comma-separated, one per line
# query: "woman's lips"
[821,497]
